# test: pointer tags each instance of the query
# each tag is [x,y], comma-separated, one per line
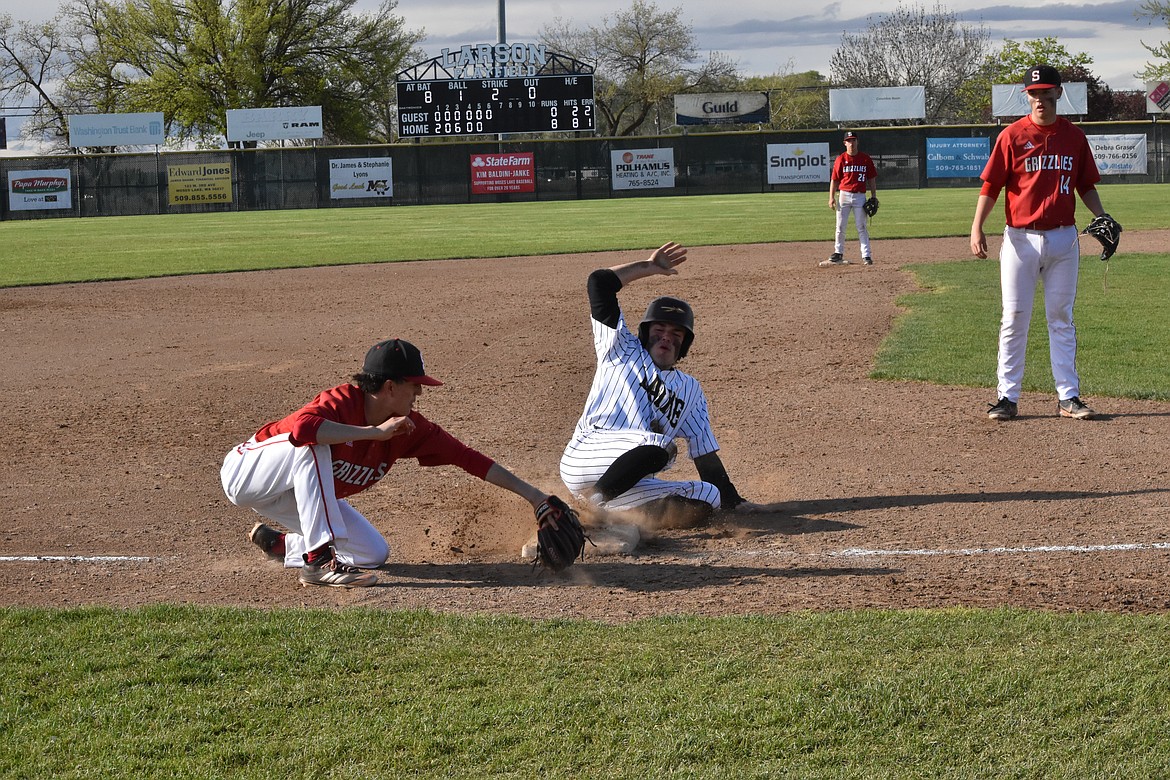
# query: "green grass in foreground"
[50,251]
[949,333]
[197,693]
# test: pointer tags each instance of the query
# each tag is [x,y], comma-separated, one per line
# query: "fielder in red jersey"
[298,471]
[1043,162]
[853,173]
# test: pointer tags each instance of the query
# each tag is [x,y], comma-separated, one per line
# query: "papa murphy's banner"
[1117,155]
[363,177]
[508,172]
[798,163]
[274,124]
[37,190]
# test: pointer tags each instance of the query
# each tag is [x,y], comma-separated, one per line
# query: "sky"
[767,36]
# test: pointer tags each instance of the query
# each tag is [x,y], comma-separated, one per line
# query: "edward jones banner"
[363,177]
[36,190]
[199,183]
[507,172]
[641,169]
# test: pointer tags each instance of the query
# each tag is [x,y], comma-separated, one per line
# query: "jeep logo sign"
[274,124]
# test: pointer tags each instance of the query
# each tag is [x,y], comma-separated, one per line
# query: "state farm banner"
[508,172]
[711,108]
[274,124]
[364,177]
[1010,100]
[641,169]
[853,105]
[1118,155]
[798,163]
[1157,97]
[116,130]
[39,190]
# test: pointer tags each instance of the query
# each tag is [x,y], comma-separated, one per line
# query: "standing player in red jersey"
[1041,160]
[297,471]
[853,172]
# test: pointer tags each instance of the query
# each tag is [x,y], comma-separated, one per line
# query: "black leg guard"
[677,512]
[630,467]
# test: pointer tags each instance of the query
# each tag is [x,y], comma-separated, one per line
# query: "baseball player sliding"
[1041,159]
[640,403]
[298,471]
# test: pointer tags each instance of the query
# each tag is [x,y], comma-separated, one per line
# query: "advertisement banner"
[1118,155]
[39,190]
[641,169]
[508,172]
[199,183]
[951,158]
[362,177]
[799,163]
[1010,100]
[274,124]
[1157,97]
[711,108]
[116,130]
[853,105]
[3,133]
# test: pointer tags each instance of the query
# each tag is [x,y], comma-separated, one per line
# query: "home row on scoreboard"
[533,104]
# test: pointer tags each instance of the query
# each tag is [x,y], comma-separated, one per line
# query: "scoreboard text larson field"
[533,104]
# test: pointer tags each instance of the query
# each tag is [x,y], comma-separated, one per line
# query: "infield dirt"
[124,397]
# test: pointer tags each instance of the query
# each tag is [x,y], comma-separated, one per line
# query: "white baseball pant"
[852,203]
[588,456]
[294,487]
[1028,256]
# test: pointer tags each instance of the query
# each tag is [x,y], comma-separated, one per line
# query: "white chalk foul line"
[857,552]
[74,558]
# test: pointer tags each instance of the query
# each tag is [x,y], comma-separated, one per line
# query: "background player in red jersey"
[297,471]
[853,172]
[1041,159]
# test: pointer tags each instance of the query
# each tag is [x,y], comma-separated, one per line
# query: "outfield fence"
[425,172]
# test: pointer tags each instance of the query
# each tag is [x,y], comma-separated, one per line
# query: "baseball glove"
[1106,230]
[557,548]
[871,206]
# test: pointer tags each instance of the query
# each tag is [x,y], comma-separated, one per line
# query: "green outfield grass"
[181,692]
[177,692]
[50,251]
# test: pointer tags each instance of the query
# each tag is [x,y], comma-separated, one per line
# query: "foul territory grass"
[196,693]
[49,251]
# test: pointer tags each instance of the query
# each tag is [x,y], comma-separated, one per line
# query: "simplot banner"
[710,108]
[798,163]
[852,105]
[274,124]
[1010,100]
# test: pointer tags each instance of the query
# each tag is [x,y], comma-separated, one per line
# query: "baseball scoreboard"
[499,89]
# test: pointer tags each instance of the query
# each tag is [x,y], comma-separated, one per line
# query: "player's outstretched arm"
[664,261]
[501,477]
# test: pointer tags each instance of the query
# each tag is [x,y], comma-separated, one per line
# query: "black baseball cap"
[849,136]
[1041,77]
[399,359]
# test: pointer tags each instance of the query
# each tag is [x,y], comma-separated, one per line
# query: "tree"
[641,58]
[31,62]
[1008,65]
[797,100]
[1155,10]
[194,59]
[914,47]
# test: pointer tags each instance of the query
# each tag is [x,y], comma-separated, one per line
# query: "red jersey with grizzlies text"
[1042,167]
[853,171]
[358,465]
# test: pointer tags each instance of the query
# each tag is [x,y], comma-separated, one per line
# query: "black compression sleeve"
[603,303]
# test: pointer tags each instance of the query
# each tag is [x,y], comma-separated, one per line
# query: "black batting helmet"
[673,311]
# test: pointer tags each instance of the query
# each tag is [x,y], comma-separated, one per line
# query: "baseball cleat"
[337,575]
[867,260]
[834,259]
[1003,409]
[1075,408]
[269,540]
